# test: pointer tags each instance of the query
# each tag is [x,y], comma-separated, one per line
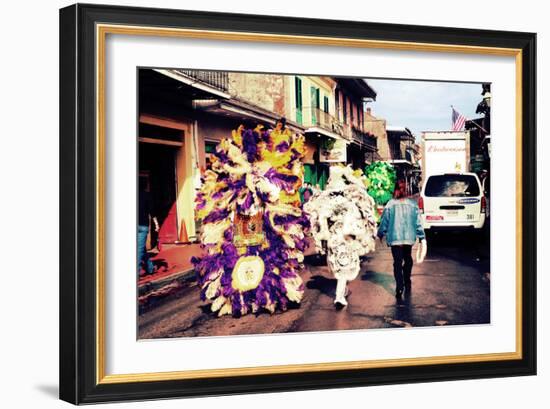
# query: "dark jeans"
[142,256]
[402,266]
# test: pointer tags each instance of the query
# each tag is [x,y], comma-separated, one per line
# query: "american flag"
[458,120]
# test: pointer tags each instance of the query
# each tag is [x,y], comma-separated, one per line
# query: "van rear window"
[452,186]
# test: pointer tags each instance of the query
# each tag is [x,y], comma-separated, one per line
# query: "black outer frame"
[78,198]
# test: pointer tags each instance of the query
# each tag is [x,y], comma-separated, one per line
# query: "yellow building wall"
[185,176]
[326,88]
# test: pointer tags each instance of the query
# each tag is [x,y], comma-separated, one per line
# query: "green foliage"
[381,178]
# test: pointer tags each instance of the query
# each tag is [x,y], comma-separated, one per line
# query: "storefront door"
[158,163]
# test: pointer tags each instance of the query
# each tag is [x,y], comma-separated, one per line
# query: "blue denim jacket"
[401,223]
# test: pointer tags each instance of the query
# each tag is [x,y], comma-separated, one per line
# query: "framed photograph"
[267,203]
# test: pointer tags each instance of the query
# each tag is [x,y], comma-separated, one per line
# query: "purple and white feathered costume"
[252,223]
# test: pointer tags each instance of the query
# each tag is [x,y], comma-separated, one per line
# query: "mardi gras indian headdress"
[252,223]
[343,209]
[342,216]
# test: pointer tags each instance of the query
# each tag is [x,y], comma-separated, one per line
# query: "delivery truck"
[445,151]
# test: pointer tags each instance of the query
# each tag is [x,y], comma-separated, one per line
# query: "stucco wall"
[264,90]
[377,127]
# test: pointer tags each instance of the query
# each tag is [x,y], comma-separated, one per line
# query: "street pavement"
[451,287]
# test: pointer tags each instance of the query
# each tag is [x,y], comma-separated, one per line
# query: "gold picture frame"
[84,30]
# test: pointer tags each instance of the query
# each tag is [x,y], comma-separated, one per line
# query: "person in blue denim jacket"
[401,224]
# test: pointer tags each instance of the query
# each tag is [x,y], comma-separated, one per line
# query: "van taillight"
[421,204]
[483,204]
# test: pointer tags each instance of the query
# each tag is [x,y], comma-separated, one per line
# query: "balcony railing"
[399,151]
[215,79]
[326,121]
[396,154]
[363,139]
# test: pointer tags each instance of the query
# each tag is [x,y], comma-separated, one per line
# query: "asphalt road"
[451,287]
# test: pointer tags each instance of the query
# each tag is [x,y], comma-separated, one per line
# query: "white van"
[452,201]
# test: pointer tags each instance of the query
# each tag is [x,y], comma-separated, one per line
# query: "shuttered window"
[298,97]
[315,102]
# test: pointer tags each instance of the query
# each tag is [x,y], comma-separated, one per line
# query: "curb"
[182,276]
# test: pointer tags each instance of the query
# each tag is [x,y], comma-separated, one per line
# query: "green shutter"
[317,98]
[314,93]
[322,177]
[298,87]
[310,175]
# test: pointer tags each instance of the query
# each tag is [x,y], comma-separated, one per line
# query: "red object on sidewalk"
[183,238]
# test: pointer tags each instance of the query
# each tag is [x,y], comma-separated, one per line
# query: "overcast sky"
[423,105]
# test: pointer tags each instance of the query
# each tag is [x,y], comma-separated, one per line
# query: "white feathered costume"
[343,217]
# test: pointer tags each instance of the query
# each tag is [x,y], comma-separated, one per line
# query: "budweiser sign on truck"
[445,152]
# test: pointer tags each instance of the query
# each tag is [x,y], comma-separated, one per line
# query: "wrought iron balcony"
[398,150]
[363,139]
[396,153]
[215,79]
[319,118]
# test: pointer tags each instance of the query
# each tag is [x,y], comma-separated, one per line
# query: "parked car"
[452,201]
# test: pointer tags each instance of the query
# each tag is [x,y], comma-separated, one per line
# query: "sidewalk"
[173,259]
[174,269]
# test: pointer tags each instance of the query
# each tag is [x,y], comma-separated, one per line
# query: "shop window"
[209,149]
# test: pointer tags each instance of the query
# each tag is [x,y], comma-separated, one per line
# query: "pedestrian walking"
[402,226]
[145,217]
